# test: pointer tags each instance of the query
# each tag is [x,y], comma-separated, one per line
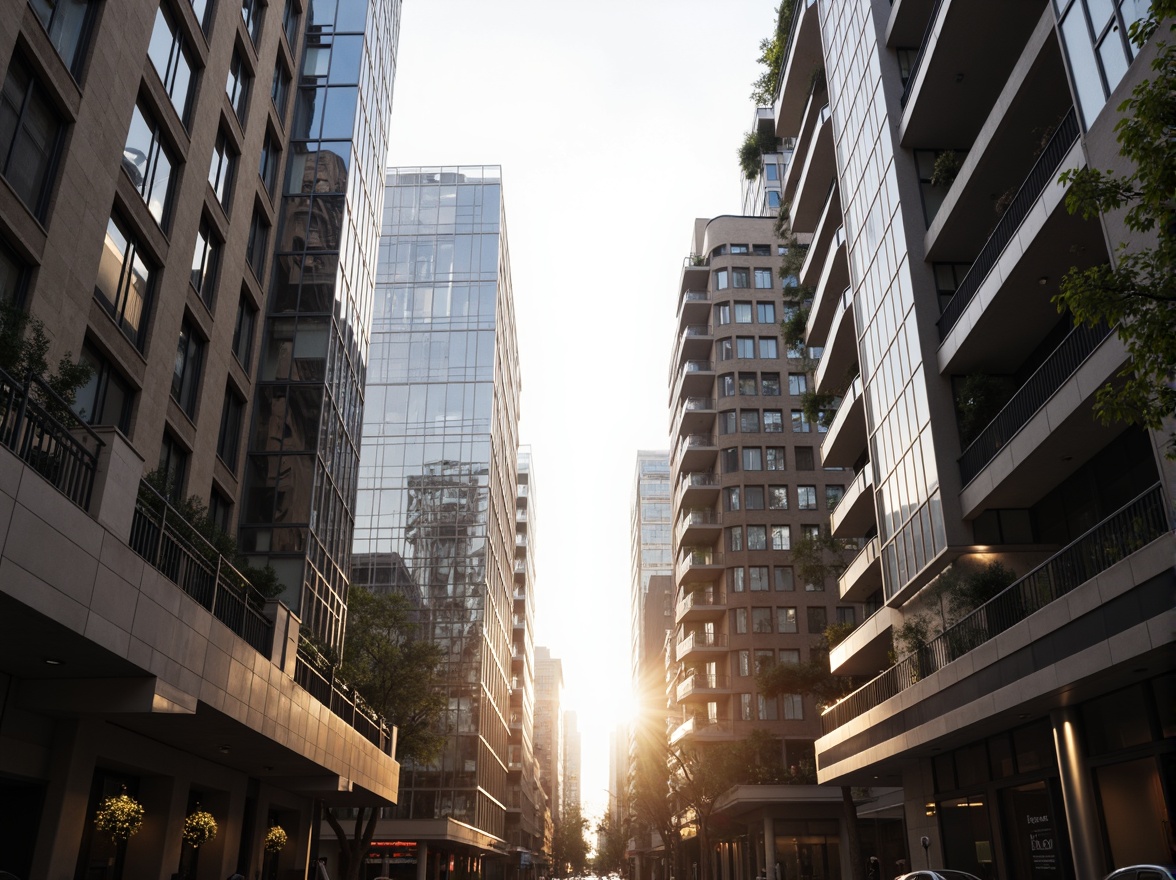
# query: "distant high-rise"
[573,793]
[549,731]
[437,501]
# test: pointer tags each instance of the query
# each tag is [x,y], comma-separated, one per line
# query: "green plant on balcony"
[946,168]
[751,151]
[763,88]
[818,408]
[697,260]
[24,351]
[956,593]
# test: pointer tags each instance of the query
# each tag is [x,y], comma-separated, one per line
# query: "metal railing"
[42,430]
[317,677]
[697,330]
[1062,363]
[1136,524]
[702,640]
[918,62]
[170,543]
[702,598]
[1042,174]
[701,681]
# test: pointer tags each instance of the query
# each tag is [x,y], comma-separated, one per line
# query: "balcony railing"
[1043,173]
[701,681]
[314,674]
[702,598]
[39,427]
[698,367]
[692,480]
[910,83]
[1030,397]
[697,330]
[1133,526]
[702,640]
[169,543]
[690,296]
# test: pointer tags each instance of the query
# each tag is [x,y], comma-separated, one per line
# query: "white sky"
[616,123]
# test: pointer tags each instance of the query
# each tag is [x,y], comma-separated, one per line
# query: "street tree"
[569,846]
[612,838]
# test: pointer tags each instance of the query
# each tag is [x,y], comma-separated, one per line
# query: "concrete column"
[1077,794]
[770,847]
[422,871]
[116,483]
[284,651]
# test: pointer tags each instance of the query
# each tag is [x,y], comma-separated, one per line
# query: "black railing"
[1042,174]
[1130,528]
[317,676]
[169,543]
[798,9]
[40,427]
[914,72]
[1030,397]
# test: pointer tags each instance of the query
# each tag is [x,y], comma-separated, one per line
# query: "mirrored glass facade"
[437,496]
[300,481]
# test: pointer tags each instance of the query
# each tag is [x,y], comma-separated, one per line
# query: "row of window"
[780,620]
[763,384]
[745,347]
[742,278]
[789,707]
[745,313]
[766,537]
[776,497]
[755,250]
[768,421]
[767,458]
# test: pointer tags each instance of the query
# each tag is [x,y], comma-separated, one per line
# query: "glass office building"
[437,496]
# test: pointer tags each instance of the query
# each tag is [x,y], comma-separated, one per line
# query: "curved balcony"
[696,378]
[695,273]
[701,687]
[854,513]
[701,729]
[802,55]
[827,226]
[863,575]
[840,356]
[816,177]
[693,307]
[701,646]
[694,343]
[696,415]
[847,434]
[700,526]
[827,294]
[705,603]
[696,452]
[699,489]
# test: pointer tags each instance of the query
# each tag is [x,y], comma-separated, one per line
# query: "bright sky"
[616,123]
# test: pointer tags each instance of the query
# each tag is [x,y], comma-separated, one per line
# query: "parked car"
[940,874]
[1143,872]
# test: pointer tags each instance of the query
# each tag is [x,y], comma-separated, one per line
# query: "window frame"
[37,98]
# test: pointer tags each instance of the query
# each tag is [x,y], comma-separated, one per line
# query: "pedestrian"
[873,869]
[900,866]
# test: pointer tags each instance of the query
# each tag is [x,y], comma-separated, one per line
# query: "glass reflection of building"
[300,476]
[437,500]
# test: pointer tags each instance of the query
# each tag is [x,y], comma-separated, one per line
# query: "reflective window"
[749,421]
[253,11]
[757,578]
[761,620]
[792,705]
[740,615]
[768,348]
[743,313]
[169,54]
[203,10]
[727,423]
[148,161]
[833,496]
[772,171]
[186,370]
[777,497]
[1095,34]
[739,249]
[280,89]
[731,498]
[763,281]
[740,280]
[173,467]
[766,312]
[237,84]
[766,707]
[722,279]
[243,332]
[773,421]
[735,579]
[797,384]
[745,346]
[783,580]
[124,281]
[774,458]
[753,498]
[228,442]
[806,497]
[757,537]
[29,132]
[770,384]
[786,620]
[68,24]
[781,538]
[723,313]
[800,422]
[257,246]
[107,397]
[752,458]
[290,20]
[220,171]
[205,260]
[747,384]
[726,350]
[726,385]
[220,510]
[271,159]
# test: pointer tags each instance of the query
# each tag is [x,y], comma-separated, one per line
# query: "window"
[228,442]
[745,346]
[173,467]
[758,578]
[744,663]
[804,458]
[768,347]
[762,250]
[721,279]
[735,538]
[727,423]
[747,384]
[731,498]
[773,421]
[766,312]
[740,615]
[739,249]
[735,579]
[253,11]
[740,280]
[753,498]
[763,281]
[68,25]
[810,533]
[833,496]
[290,19]
[280,89]
[718,251]
[781,537]
[186,370]
[773,195]
[765,708]
[790,656]
[782,578]
[204,261]
[845,616]
[770,384]
[797,384]
[731,460]
[806,497]
[169,55]
[725,350]
[761,620]
[13,274]
[255,249]
[726,385]
[757,537]
[220,171]
[777,497]
[29,131]
[792,705]
[800,422]
[243,332]
[124,281]
[786,620]
[107,397]
[271,159]
[237,84]
[749,421]
[752,459]
[774,458]
[817,619]
[148,162]
[220,510]
[764,657]
[202,8]
[742,313]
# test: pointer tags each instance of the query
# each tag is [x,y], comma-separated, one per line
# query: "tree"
[612,838]
[654,804]
[396,673]
[24,350]
[763,89]
[569,856]
[1137,294]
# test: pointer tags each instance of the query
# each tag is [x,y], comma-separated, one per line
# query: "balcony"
[830,286]
[840,357]
[854,514]
[699,489]
[1131,528]
[699,526]
[696,378]
[696,415]
[863,575]
[700,687]
[696,452]
[847,434]
[701,729]
[694,343]
[822,238]
[693,307]
[695,273]
[700,646]
[817,175]
[704,604]
[867,649]
[802,55]
[698,565]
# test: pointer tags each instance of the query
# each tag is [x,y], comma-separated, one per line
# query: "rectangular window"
[757,537]
[768,347]
[740,615]
[758,578]
[124,281]
[723,313]
[792,706]
[721,279]
[229,441]
[785,620]
[790,656]
[745,707]
[744,663]
[735,579]
[731,498]
[783,579]
[763,657]
[13,275]
[845,616]
[107,397]
[817,619]
[806,497]
[770,384]
[731,460]
[256,247]
[173,467]
[765,708]
[833,496]
[774,458]
[810,533]
[726,351]
[735,538]
[747,384]
[743,312]
[271,159]
[220,510]
[762,250]
[800,422]
[280,89]
[745,346]
[763,281]
[243,332]
[29,133]
[148,162]
[68,25]
[804,458]
[290,18]
[253,11]
[739,249]
[773,195]
[237,84]
[749,421]
[766,312]
[220,170]
[186,370]
[781,537]
[761,620]
[777,497]
[797,384]
[740,280]
[726,385]
[773,421]
[753,498]
[169,54]
[204,261]
[727,423]
[752,460]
